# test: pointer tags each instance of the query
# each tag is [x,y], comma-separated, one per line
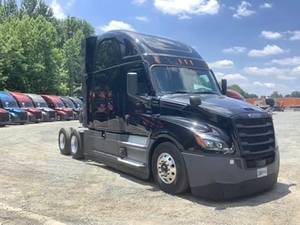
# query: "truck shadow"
[279,191]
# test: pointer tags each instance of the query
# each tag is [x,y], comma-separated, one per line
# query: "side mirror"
[195,101]
[132,83]
[224,86]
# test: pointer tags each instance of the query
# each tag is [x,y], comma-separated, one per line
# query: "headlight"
[213,144]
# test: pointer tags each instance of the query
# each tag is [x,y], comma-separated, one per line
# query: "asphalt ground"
[40,186]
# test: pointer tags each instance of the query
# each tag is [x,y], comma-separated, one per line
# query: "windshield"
[68,103]
[59,105]
[172,79]
[41,104]
[10,104]
[26,105]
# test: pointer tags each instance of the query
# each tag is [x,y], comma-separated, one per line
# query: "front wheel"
[168,169]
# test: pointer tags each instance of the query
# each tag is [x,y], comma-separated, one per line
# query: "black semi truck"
[154,109]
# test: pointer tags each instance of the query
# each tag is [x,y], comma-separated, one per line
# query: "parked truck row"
[20,108]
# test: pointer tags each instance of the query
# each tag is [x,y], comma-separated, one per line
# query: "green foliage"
[294,94]
[38,53]
[10,8]
[275,94]
[245,94]
[36,8]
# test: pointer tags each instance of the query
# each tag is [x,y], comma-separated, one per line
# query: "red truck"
[34,114]
[54,102]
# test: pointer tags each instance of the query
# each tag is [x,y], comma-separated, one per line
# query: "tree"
[37,52]
[10,8]
[69,27]
[294,94]
[237,88]
[30,55]
[275,94]
[72,63]
[36,8]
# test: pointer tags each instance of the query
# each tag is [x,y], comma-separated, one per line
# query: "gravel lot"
[40,186]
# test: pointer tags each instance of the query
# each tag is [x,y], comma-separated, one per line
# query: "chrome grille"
[4,117]
[51,114]
[255,135]
[23,116]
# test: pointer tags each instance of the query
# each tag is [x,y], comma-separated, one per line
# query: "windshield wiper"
[206,92]
[177,92]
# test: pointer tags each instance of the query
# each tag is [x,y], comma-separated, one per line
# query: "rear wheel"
[64,141]
[76,146]
[168,169]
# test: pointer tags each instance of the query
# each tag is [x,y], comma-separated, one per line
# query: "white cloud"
[184,17]
[70,3]
[222,64]
[266,51]
[266,85]
[138,2]
[142,18]
[296,71]
[234,50]
[185,8]
[295,35]
[267,71]
[284,77]
[243,10]
[57,9]
[271,35]
[279,73]
[235,77]
[292,61]
[116,25]
[266,5]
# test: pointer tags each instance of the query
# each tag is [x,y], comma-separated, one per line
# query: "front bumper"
[221,178]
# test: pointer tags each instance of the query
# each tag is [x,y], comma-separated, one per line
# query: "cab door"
[137,108]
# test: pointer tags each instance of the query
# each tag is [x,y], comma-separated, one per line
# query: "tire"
[76,145]
[173,162]
[64,137]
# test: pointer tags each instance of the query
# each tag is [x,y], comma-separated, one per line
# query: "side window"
[142,83]
[129,48]
[105,97]
[108,54]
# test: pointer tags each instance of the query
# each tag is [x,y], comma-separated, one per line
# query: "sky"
[253,43]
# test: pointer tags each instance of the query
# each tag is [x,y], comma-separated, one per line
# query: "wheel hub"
[74,144]
[62,141]
[166,168]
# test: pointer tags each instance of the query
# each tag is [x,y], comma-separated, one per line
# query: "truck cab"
[55,103]
[34,114]
[4,116]
[153,108]
[16,114]
[39,103]
[70,104]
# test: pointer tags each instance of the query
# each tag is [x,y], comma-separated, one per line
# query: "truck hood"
[3,111]
[214,104]
[16,110]
[32,110]
[45,109]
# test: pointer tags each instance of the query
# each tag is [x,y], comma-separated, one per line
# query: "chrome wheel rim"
[62,141]
[166,168]
[74,144]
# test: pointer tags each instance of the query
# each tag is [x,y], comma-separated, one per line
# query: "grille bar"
[255,135]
